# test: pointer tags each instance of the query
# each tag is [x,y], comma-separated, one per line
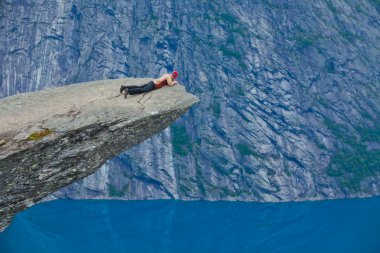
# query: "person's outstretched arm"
[170,81]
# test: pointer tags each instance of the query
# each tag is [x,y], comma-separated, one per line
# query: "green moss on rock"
[180,140]
[246,150]
[113,191]
[39,135]
[353,163]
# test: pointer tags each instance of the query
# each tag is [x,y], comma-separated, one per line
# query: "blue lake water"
[350,225]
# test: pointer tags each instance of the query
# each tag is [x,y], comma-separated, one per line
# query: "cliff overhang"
[53,137]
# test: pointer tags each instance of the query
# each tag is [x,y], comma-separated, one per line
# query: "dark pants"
[135,89]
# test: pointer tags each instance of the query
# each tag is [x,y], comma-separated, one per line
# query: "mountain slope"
[290,92]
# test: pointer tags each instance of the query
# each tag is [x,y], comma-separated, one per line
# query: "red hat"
[175,74]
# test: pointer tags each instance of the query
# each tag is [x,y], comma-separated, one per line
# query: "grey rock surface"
[80,127]
[290,91]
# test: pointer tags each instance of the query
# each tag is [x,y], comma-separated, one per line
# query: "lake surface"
[351,225]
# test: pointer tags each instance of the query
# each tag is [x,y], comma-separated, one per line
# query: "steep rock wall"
[290,94]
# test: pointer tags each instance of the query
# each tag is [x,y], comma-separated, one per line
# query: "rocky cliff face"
[290,92]
[54,137]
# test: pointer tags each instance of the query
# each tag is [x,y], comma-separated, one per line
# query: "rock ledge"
[50,138]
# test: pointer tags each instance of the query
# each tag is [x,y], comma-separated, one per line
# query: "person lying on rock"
[165,79]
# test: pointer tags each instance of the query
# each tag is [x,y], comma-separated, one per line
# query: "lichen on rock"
[39,135]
